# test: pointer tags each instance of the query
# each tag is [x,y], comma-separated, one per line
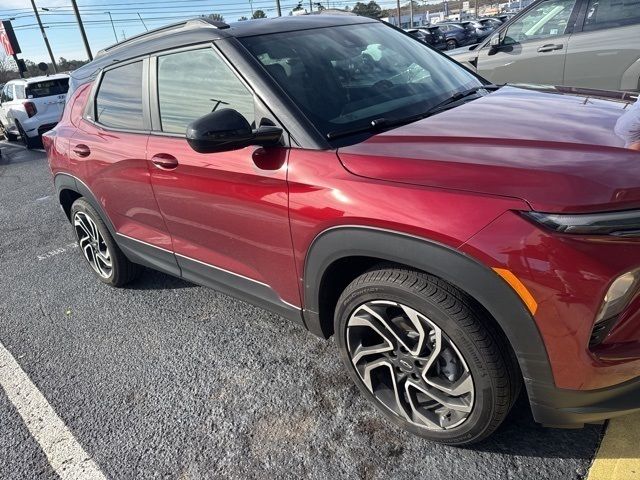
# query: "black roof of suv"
[200,30]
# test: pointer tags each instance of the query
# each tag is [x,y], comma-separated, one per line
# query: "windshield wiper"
[384,123]
[374,125]
[456,97]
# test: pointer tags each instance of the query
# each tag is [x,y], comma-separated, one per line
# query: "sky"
[64,36]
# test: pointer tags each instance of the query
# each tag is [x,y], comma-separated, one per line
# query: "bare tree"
[8,68]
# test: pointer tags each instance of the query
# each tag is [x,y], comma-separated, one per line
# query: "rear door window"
[611,13]
[119,98]
[47,88]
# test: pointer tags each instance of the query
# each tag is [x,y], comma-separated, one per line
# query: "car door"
[109,150]
[3,100]
[8,102]
[604,52]
[227,212]
[532,47]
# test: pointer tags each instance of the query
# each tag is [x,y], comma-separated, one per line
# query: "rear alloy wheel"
[92,245]
[98,248]
[451,44]
[426,356]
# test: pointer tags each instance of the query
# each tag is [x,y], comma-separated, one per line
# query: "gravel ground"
[166,379]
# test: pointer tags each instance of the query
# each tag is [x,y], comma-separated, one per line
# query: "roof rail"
[185,24]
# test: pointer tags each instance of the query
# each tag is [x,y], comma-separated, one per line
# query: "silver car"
[578,43]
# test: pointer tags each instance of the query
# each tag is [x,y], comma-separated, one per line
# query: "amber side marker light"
[519,288]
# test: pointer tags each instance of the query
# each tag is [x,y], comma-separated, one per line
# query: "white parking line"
[65,454]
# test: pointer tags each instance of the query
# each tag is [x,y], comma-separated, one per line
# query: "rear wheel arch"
[71,188]
[336,250]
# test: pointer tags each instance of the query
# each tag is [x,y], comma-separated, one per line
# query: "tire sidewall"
[480,418]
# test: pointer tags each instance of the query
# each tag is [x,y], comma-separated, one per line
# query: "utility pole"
[476,9]
[112,26]
[44,36]
[278,6]
[143,24]
[411,13]
[398,13]
[82,32]
[310,6]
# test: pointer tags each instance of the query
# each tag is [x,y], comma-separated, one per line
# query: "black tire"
[452,44]
[122,270]
[9,136]
[27,141]
[483,347]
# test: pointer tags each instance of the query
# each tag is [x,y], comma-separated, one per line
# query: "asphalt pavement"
[165,379]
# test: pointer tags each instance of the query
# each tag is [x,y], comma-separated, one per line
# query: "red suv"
[459,239]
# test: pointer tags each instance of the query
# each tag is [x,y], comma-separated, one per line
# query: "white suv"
[29,107]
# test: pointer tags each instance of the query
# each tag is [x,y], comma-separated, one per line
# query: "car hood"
[555,151]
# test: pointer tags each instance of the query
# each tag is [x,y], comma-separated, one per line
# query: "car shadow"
[520,435]
[13,153]
[153,280]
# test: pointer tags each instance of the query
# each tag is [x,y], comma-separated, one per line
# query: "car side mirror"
[225,130]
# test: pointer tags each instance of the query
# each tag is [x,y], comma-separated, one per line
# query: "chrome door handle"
[550,47]
[164,161]
[82,150]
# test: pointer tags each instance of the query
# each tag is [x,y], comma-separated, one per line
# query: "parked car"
[458,34]
[484,27]
[29,107]
[333,170]
[429,35]
[504,17]
[582,43]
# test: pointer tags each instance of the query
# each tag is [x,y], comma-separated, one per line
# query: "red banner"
[8,38]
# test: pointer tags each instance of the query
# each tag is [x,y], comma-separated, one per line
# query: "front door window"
[547,20]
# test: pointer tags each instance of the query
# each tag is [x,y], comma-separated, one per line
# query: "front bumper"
[573,408]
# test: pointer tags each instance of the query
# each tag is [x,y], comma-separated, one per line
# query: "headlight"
[618,295]
[621,224]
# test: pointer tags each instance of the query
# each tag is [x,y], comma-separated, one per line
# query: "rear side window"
[611,13]
[48,88]
[194,83]
[119,98]
[20,92]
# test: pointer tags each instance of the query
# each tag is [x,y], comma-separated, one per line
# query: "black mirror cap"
[225,130]
[219,131]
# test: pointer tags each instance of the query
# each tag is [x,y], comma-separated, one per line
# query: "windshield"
[344,77]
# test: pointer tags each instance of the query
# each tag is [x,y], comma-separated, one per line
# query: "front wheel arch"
[368,244]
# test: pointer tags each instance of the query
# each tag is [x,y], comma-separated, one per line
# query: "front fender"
[459,269]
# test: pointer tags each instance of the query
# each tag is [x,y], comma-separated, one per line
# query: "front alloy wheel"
[409,365]
[426,355]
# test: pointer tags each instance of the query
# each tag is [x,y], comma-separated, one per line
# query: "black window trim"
[90,109]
